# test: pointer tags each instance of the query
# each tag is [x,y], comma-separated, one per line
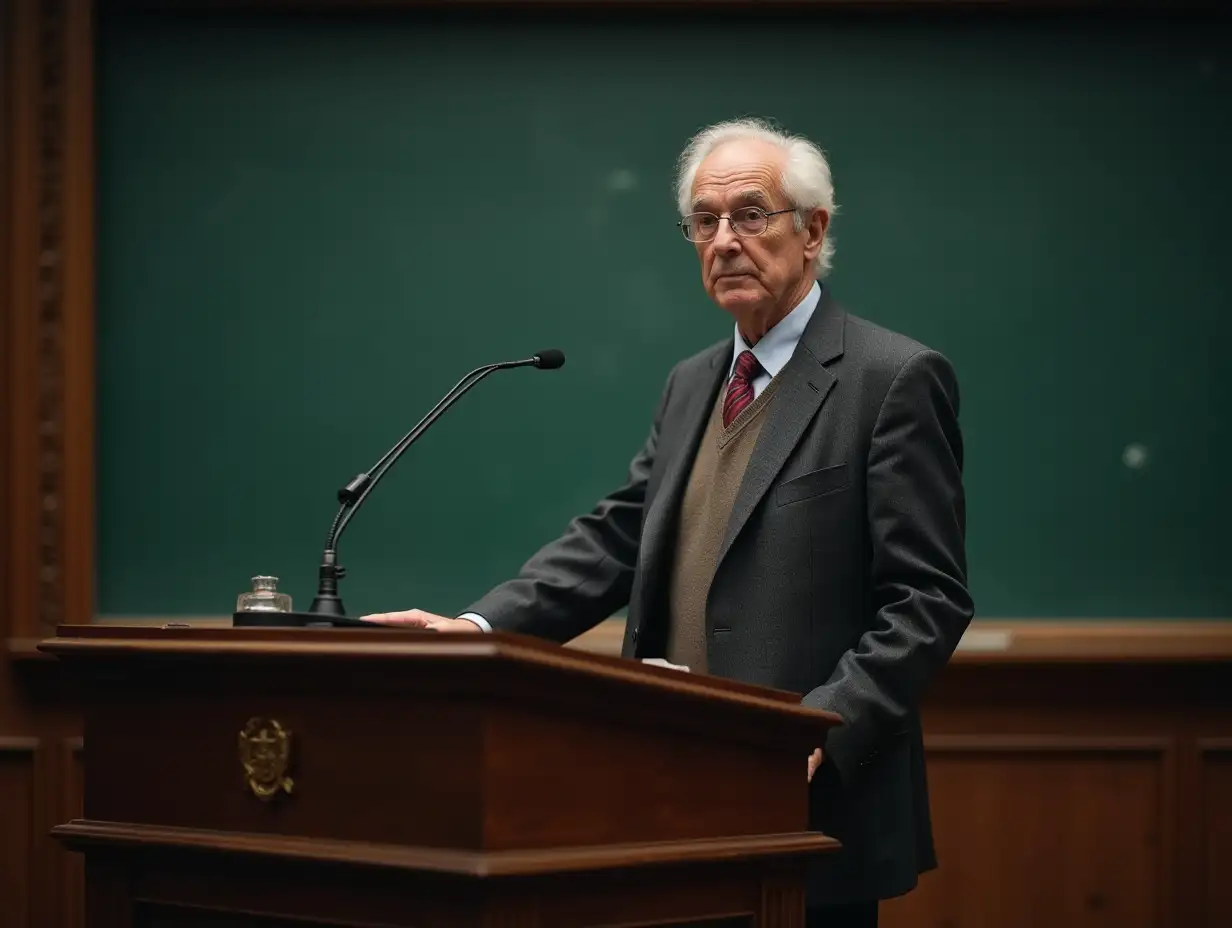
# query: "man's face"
[758,279]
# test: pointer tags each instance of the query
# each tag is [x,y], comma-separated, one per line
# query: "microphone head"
[549,359]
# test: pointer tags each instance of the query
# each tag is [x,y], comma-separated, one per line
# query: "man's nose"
[725,240]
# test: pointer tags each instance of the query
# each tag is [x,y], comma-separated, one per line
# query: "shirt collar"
[776,347]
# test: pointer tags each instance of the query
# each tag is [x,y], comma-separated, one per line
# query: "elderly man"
[795,518]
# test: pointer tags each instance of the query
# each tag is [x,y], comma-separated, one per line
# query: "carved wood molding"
[48,311]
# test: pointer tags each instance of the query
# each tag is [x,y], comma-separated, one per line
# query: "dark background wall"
[310,227]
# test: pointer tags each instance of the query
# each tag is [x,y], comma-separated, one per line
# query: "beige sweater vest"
[708,500]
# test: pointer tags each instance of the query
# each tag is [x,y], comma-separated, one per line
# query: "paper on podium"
[660,662]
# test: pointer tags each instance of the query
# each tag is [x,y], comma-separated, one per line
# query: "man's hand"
[814,763]
[417,618]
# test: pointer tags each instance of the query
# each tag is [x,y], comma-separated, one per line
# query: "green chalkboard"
[311,227]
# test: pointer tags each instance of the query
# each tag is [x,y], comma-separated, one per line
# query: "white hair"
[806,180]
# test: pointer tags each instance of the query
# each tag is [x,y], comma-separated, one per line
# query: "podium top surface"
[420,650]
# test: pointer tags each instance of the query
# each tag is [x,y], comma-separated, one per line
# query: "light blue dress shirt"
[779,344]
[773,352]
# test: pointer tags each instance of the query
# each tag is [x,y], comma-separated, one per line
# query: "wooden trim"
[874,7]
[48,790]
[70,873]
[1044,744]
[1111,640]
[18,745]
[48,310]
[82,833]
[1171,834]
[44,269]
[21,365]
[411,649]
[7,95]
[1047,641]
[26,649]
[76,324]
[996,642]
[1210,750]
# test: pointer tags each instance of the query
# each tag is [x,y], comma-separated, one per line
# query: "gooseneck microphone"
[351,497]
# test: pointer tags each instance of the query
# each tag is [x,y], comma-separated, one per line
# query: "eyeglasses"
[748,220]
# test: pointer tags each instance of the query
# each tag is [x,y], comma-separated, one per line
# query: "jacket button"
[635,631]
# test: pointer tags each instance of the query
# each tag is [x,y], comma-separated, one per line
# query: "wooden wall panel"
[40,787]
[1217,829]
[1045,831]
[18,817]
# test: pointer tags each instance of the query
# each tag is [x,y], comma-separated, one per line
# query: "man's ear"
[818,223]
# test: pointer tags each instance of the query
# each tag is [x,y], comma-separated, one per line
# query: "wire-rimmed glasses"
[747,221]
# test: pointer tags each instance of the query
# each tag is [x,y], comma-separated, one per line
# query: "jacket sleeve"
[917,527]
[575,582]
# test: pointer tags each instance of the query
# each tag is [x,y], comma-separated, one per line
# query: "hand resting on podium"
[417,618]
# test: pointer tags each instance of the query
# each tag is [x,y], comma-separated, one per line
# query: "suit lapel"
[805,383]
[667,501]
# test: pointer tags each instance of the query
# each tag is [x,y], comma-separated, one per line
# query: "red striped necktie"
[740,388]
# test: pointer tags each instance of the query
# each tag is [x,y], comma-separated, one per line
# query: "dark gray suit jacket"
[842,576]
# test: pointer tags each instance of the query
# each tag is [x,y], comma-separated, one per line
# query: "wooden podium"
[278,777]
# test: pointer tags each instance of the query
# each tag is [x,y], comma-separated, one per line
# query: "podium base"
[297,620]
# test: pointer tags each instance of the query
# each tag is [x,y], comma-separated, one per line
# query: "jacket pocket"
[814,483]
